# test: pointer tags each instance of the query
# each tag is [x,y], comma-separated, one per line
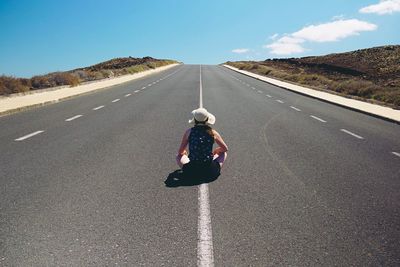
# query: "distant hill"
[108,69]
[371,74]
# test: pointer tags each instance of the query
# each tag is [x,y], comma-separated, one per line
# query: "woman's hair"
[208,129]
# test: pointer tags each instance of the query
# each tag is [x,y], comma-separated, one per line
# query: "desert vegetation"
[108,69]
[371,75]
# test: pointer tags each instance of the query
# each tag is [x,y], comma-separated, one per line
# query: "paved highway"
[306,183]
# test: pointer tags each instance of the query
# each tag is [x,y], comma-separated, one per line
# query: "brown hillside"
[120,63]
[107,69]
[371,74]
[379,63]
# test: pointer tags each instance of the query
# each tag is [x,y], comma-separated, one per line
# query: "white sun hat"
[202,115]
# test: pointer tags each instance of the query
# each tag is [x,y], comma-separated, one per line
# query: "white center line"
[396,154]
[295,108]
[138,90]
[28,136]
[115,100]
[73,118]
[280,101]
[99,107]
[205,254]
[353,134]
[268,95]
[201,91]
[127,95]
[316,118]
[205,251]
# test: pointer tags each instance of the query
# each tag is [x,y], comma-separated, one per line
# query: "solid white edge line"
[116,100]
[396,154]
[353,134]
[205,251]
[73,118]
[295,108]
[99,107]
[316,118]
[28,136]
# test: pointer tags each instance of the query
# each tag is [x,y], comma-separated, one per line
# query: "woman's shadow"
[180,178]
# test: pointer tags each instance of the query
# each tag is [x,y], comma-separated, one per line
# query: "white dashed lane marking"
[295,108]
[99,107]
[352,134]
[316,118]
[115,100]
[259,91]
[73,118]
[138,90]
[396,154]
[268,96]
[280,101]
[127,95]
[28,135]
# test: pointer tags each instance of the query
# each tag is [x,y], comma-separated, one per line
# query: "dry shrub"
[245,66]
[39,82]
[10,85]
[64,78]
[389,96]
[357,88]
[152,65]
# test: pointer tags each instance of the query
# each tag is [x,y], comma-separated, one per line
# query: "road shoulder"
[15,103]
[385,113]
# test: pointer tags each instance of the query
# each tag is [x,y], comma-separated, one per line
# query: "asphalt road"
[295,190]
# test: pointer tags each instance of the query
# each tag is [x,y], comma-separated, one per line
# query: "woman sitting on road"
[201,138]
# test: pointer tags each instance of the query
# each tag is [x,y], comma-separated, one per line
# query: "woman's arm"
[220,142]
[184,143]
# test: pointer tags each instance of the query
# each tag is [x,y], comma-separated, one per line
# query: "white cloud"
[326,32]
[286,45]
[240,50]
[383,7]
[334,31]
[337,17]
[274,36]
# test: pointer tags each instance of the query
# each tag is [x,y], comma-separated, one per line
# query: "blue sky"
[41,36]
